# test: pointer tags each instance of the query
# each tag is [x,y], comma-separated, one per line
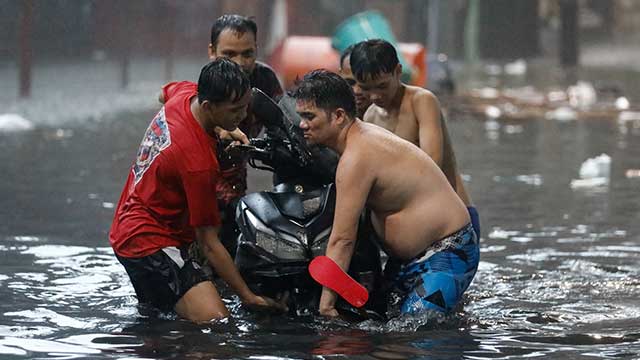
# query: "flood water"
[559,276]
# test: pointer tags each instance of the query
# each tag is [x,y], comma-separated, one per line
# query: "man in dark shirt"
[234,37]
[362,102]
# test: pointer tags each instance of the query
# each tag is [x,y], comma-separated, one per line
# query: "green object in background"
[471,32]
[365,26]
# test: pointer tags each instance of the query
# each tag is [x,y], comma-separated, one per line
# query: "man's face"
[237,47]
[381,89]
[362,103]
[315,123]
[228,114]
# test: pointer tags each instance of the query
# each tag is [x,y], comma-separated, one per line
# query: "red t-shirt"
[171,187]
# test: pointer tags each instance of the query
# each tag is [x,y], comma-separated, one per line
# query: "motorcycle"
[283,229]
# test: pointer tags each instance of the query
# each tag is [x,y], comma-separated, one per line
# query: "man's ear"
[212,52]
[340,116]
[398,69]
[206,105]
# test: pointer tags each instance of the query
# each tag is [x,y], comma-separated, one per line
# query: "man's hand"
[329,312]
[266,304]
[236,136]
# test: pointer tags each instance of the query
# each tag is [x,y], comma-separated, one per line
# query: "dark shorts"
[162,278]
[436,279]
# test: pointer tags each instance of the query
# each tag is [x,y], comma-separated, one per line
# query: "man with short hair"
[417,216]
[234,37]
[411,112]
[167,202]
[362,102]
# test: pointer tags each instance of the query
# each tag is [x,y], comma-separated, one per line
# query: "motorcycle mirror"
[266,109]
[276,121]
[288,106]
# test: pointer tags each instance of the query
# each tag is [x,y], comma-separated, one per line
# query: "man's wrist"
[249,298]
[325,306]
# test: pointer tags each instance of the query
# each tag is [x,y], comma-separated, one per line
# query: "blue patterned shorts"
[437,278]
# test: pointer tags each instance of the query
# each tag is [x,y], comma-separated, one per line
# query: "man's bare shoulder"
[425,105]
[373,113]
[353,161]
[362,140]
[422,96]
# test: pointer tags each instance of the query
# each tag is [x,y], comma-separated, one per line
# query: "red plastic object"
[297,55]
[327,273]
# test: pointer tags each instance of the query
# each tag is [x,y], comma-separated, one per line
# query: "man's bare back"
[411,201]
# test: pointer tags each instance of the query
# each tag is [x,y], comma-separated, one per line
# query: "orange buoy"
[297,55]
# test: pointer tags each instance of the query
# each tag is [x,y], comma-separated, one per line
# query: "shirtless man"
[362,102]
[411,112]
[414,211]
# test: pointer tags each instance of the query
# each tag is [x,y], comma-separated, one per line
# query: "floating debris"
[563,113]
[14,123]
[518,67]
[582,101]
[599,166]
[589,183]
[632,173]
[594,172]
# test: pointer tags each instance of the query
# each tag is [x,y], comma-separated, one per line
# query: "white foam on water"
[498,233]
[11,350]
[14,123]
[46,346]
[42,314]
[56,251]
[532,179]
[26,238]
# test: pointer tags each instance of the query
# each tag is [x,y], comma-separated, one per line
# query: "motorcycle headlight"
[320,243]
[280,246]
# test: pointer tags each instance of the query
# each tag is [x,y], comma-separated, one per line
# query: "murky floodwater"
[559,277]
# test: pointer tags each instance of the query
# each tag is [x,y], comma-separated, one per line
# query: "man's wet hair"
[328,90]
[238,23]
[372,58]
[345,54]
[222,80]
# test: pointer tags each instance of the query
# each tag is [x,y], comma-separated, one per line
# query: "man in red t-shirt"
[169,198]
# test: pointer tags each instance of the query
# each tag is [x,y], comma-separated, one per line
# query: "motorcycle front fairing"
[282,228]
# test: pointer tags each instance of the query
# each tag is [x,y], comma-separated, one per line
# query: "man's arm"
[168,90]
[219,258]
[233,136]
[353,183]
[427,111]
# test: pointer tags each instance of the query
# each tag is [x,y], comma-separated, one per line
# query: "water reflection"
[558,277]
[346,342]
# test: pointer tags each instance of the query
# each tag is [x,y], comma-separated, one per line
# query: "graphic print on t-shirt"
[156,139]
